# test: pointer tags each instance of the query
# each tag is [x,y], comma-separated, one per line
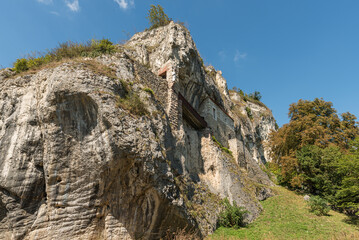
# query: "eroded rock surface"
[76,163]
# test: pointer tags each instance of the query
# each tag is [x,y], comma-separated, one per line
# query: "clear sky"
[285,49]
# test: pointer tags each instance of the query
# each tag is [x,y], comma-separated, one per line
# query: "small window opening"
[214,113]
[164,75]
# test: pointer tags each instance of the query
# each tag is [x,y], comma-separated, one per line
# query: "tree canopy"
[317,152]
[313,123]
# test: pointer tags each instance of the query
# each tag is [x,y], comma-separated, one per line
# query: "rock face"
[78,160]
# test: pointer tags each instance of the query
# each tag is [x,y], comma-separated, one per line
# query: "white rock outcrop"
[76,163]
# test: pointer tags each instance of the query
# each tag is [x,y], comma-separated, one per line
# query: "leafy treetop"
[157,17]
[317,152]
[313,123]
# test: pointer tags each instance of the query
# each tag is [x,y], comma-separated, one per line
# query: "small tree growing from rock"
[157,17]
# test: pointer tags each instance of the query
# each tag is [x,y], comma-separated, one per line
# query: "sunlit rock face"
[76,164]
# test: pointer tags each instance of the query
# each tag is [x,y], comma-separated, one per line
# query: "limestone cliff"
[127,146]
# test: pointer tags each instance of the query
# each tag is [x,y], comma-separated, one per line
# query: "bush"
[21,65]
[318,206]
[232,216]
[157,17]
[99,47]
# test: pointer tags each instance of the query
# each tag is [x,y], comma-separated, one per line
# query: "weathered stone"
[75,165]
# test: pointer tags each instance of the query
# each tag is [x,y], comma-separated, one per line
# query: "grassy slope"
[286,216]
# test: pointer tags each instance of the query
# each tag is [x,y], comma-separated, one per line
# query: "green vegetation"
[249,113]
[133,104]
[131,101]
[286,216]
[318,206]
[254,97]
[221,146]
[232,216]
[226,150]
[316,153]
[157,17]
[20,65]
[149,90]
[67,50]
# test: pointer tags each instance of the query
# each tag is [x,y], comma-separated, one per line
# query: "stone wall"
[222,126]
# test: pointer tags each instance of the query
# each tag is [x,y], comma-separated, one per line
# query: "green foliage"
[316,153]
[318,169]
[266,169]
[149,90]
[347,196]
[104,46]
[157,17]
[99,47]
[311,123]
[131,101]
[256,95]
[332,174]
[286,216]
[241,92]
[318,206]
[226,150]
[232,216]
[221,146]
[21,65]
[133,104]
[66,50]
[216,141]
[249,113]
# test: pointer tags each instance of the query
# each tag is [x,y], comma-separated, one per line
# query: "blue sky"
[287,50]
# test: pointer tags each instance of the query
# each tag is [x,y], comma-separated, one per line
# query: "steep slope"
[287,216]
[122,146]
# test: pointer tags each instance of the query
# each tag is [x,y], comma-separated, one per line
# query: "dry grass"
[98,68]
[91,64]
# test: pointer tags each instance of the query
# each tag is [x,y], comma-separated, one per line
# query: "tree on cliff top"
[157,17]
